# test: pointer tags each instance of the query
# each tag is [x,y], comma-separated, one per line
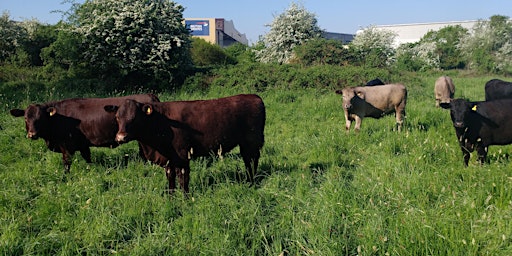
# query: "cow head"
[460,109]
[37,119]
[130,117]
[349,96]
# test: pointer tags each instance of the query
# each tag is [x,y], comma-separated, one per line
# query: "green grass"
[321,191]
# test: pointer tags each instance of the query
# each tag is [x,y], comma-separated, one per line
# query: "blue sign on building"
[198,27]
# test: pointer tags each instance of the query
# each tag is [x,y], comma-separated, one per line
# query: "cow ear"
[111,108]
[360,94]
[17,112]
[52,111]
[148,109]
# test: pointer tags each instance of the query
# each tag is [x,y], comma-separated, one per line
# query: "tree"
[288,30]
[446,42]
[374,46]
[12,35]
[488,47]
[416,56]
[39,37]
[435,50]
[132,38]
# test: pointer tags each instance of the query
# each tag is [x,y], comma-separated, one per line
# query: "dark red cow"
[76,124]
[182,129]
[480,124]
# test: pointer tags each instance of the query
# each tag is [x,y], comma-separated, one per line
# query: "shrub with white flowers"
[288,30]
[133,36]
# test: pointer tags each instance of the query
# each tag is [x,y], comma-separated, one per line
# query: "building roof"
[411,33]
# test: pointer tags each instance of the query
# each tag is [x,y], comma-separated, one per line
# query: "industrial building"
[216,31]
[411,33]
[344,38]
[224,33]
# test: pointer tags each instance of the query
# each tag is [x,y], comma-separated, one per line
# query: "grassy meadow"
[320,190]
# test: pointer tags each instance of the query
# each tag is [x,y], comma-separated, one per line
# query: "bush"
[206,54]
[321,52]
[260,76]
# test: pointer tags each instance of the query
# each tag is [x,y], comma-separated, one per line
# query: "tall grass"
[320,190]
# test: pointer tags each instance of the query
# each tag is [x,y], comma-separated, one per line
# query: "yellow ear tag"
[473,108]
[53,111]
[359,94]
[149,110]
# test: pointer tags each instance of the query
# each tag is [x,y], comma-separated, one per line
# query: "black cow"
[374,82]
[481,124]
[182,129]
[76,124]
[498,89]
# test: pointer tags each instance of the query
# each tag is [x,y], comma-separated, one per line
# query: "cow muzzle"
[32,135]
[121,137]
[458,124]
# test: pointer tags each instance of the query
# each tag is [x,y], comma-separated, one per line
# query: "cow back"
[216,125]
[384,97]
[498,89]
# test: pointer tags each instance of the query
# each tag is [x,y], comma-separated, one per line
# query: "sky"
[252,17]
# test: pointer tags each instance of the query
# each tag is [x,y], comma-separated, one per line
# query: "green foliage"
[291,77]
[288,30]
[436,50]
[418,56]
[65,51]
[12,35]
[322,52]
[206,54]
[39,37]
[488,48]
[447,42]
[241,52]
[321,191]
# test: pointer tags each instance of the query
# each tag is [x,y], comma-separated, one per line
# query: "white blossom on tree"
[289,29]
[373,37]
[375,45]
[133,35]
[489,45]
[11,36]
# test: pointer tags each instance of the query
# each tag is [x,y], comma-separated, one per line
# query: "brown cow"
[373,101]
[76,124]
[182,129]
[444,90]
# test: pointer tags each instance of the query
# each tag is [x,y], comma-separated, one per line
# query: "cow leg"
[251,158]
[170,172]
[86,154]
[347,124]
[482,153]
[359,120]
[66,160]
[399,114]
[183,177]
[466,154]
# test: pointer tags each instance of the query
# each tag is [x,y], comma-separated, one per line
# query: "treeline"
[128,45]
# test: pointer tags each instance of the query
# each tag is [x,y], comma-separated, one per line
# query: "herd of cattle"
[171,133]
